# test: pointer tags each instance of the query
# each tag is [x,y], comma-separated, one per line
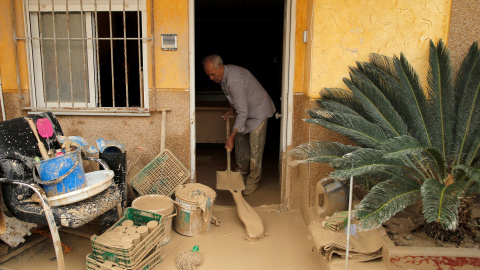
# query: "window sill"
[93,112]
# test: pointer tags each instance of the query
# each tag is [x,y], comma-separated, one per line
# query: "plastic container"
[152,259]
[194,204]
[130,257]
[331,197]
[158,204]
[62,174]
[97,182]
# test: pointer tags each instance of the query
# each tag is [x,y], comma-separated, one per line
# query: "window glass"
[74,57]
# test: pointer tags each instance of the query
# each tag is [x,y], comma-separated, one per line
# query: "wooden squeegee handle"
[41,147]
[229,151]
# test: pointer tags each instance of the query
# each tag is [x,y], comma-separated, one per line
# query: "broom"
[337,222]
[189,260]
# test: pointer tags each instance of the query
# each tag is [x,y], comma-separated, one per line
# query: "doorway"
[247,34]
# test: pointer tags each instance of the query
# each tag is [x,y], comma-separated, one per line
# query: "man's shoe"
[249,189]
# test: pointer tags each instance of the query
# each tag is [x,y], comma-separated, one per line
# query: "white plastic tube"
[348,221]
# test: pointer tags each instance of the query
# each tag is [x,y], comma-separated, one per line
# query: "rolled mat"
[364,245]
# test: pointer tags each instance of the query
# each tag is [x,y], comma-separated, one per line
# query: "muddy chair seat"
[71,215]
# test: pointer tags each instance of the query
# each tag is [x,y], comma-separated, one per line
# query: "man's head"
[213,66]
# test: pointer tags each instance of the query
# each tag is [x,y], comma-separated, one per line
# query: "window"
[87,53]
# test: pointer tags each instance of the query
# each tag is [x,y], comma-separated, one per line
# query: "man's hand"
[229,112]
[230,141]
[229,145]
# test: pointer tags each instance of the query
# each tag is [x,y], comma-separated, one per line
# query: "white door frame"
[287,93]
[191,57]
[288,69]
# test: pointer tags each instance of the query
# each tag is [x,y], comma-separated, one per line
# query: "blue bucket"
[61,174]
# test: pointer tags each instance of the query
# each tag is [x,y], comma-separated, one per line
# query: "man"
[253,107]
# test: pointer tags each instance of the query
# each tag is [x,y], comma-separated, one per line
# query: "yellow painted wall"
[7,47]
[342,32]
[172,67]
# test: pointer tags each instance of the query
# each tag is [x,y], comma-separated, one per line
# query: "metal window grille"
[86,54]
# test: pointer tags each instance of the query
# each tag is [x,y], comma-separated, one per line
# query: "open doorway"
[247,34]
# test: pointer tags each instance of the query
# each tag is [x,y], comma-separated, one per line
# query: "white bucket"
[194,204]
[161,205]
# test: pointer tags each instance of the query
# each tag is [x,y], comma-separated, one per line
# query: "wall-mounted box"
[169,42]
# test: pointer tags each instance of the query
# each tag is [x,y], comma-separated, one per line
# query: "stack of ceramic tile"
[134,242]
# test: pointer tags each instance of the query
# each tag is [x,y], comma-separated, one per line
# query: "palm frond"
[321,152]
[465,73]
[357,129]
[471,172]
[415,155]
[364,83]
[345,97]
[368,180]
[384,63]
[437,162]
[442,98]
[402,146]
[415,105]
[385,200]
[387,83]
[441,202]
[467,90]
[367,161]
[332,106]
[472,155]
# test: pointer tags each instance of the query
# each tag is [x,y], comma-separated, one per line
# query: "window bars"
[86,54]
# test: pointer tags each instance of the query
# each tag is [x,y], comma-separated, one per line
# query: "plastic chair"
[18,147]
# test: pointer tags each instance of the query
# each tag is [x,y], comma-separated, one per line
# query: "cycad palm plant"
[415,145]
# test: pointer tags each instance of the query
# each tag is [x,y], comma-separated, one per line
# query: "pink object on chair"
[44,127]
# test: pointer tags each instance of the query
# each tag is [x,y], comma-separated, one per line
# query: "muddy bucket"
[61,174]
[194,203]
[161,205]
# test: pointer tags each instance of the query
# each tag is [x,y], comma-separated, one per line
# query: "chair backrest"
[19,146]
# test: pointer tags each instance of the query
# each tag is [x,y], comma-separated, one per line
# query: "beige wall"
[464,29]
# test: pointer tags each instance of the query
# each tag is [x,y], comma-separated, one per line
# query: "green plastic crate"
[129,257]
[152,259]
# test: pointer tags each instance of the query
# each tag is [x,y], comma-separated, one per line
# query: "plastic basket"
[153,258]
[161,176]
[129,257]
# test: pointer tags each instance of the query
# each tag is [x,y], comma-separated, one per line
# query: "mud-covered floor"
[285,247]
[212,158]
